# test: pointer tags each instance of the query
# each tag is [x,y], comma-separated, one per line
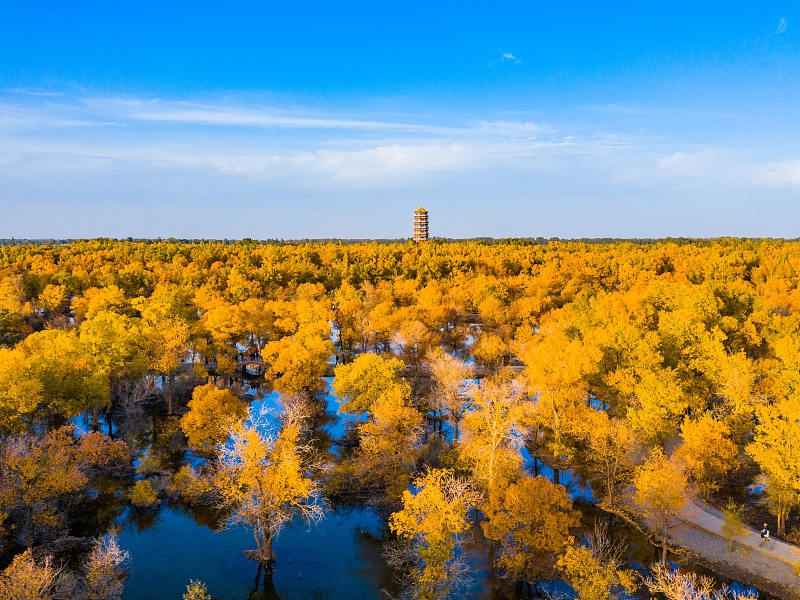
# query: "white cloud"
[509,56]
[212,148]
[693,164]
[783,173]
[231,114]
[369,165]
[782,26]
[526,129]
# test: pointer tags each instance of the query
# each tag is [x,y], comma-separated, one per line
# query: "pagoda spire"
[420,225]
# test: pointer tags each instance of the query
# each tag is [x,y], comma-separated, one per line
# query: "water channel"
[341,558]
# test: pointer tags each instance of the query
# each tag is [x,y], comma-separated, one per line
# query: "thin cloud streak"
[93,133]
[240,116]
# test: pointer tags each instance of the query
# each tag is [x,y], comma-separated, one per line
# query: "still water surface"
[341,558]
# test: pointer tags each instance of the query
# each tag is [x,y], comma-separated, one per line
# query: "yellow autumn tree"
[611,446]
[451,388]
[492,435]
[212,412]
[297,365]
[556,370]
[388,453]
[490,351]
[531,519]
[21,393]
[28,579]
[39,474]
[776,449]
[707,452]
[364,381]
[662,490]
[105,570]
[657,407]
[596,571]
[263,478]
[432,518]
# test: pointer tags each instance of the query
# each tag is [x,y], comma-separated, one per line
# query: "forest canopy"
[452,356]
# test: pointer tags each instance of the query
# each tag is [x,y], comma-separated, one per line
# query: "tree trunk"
[109,420]
[263,554]
[267,555]
[664,547]
[28,530]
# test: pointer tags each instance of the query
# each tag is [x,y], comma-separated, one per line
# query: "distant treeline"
[440,240]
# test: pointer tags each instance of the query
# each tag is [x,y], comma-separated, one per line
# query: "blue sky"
[292,120]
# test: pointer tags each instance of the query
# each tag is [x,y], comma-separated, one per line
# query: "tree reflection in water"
[264,587]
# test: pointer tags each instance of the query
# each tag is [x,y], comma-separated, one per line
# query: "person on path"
[765,537]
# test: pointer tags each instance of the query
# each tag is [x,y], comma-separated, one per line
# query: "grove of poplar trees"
[652,373]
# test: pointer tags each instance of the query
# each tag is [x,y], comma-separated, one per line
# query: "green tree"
[732,523]
[364,381]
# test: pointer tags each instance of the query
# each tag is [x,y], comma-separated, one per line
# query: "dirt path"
[771,568]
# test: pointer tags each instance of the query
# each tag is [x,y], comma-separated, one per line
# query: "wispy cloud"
[62,110]
[702,163]
[124,151]
[232,115]
[508,56]
[782,26]
[782,174]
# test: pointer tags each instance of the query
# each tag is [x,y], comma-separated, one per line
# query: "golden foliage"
[707,452]
[212,412]
[531,519]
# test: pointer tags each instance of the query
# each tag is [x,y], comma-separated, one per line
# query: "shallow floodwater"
[340,558]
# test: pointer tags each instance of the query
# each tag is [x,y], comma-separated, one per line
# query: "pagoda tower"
[420,225]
